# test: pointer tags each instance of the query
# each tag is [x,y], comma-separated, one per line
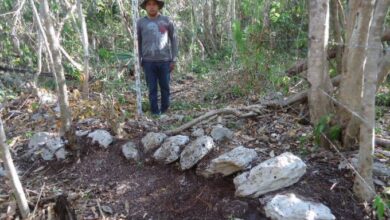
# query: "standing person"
[157,52]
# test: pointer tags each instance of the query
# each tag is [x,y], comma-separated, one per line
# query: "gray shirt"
[156,39]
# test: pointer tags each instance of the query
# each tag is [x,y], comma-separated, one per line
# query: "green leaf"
[379,206]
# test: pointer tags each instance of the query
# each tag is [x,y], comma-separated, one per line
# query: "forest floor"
[103,184]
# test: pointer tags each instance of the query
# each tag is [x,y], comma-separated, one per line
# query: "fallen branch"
[301,65]
[382,142]
[252,110]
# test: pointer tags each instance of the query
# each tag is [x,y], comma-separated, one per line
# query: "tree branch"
[71,60]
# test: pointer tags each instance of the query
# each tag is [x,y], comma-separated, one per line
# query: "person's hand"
[171,66]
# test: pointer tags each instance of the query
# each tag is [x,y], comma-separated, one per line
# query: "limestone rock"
[235,160]
[196,151]
[47,145]
[289,207]
[81,133]
[220,133]
[2,171]
[152,141]
[46,97]
[130,151]
[198,132]
[273,174]
[102,137]
[378,168]
[171,148]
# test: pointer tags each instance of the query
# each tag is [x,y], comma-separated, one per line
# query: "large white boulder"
[235,160]
[170,150]
[102,137]
[152,141]
[195,152]
[289,207]
[273,174]
[47,145]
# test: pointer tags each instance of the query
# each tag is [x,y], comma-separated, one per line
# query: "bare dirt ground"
[103,184]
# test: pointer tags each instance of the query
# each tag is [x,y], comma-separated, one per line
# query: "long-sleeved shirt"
[156,39]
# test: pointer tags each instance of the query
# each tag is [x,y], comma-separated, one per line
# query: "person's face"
[152,8]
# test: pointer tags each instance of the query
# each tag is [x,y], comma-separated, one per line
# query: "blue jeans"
[157,73]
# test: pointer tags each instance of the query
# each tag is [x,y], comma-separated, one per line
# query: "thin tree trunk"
[39,57]
[266,18]
[66,117]
[134,7]
[384,69]
[85,90]
[125,20]
[13,175]
[337,32]
[213,23]
[14,32]
[354,58]
[44,38]
[318,75]
[364,188]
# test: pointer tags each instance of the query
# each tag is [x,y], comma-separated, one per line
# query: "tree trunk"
[354,58]
[13,175]
[49,56]
[213,23]
[66,118]
[134,6]
[84,33]
[318,75]
[208,28]
[337,32]
[364,188]
[39,56]
[266,18]
[384,69]
[14,32]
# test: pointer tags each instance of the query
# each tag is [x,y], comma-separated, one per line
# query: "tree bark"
[384,69]
[364,184]
[14,32]
[84,33]
[13,175]
[337,32]
[354,58]
[66,117]
[318,75]
[134,6]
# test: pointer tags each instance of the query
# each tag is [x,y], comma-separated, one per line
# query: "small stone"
[152,141]
[46,98]
[272,153]
[220,133]
[198,132]
[47,145]
[235,160]
[2,171]
[130,151]
[81,133]
[102,137]
[170,149]
[107,209]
